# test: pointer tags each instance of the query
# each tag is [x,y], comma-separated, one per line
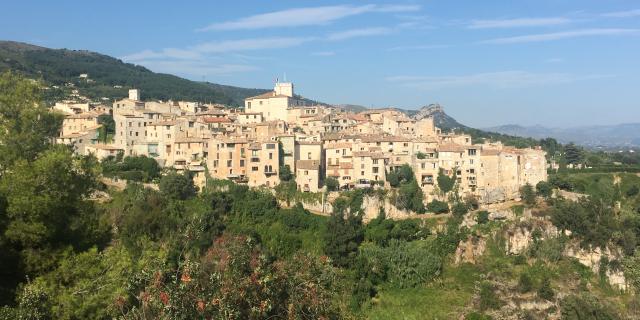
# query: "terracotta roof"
[308,164]
[190,139]
[450,147]
[346,165]
[216,120]
[385,138]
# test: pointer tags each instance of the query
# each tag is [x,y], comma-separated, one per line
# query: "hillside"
[611,136]
[60,66]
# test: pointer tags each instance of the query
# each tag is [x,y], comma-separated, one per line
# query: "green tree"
[332,184]
[445,183]
[44,201]
[573,154]
[26,126]
[482,217]
[177,186]
[344,234]
[410,197]
[528,194]
[285,173]
[438,207]
[544,189]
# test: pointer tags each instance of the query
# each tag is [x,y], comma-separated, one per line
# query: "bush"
[177,186]
[528,195]
[525,284]
[438,207]
[545,291]
[477,316]
[585,307]
[332,184]
[488,298]
[482,217]
[410,197]
[459,209]
[544,189]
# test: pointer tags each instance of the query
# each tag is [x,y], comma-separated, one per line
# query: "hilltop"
[109,77]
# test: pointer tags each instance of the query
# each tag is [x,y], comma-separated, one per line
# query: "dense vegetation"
[61,66]
[232,252]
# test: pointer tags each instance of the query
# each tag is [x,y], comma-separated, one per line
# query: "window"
[306,172]
[309,155]
[375,161]
[472,152]
[229,163]
[270,156]
[254,168]
[249,104]
[242,163]
[375,169]
[215,163]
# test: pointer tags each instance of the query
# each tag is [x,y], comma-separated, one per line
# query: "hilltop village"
[279,129]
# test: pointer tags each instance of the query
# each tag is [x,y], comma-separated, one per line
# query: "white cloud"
[419,47]
[554,60]
[323,53]
[197,52]
[172,53]
[194,68]
[562,35]
[354,33]
[250,44]
[501,80]
[623,14]
[520,22]
[305,16]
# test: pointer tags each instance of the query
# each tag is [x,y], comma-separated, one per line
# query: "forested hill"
[60,66]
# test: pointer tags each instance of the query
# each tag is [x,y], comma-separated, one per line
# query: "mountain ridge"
[110,77]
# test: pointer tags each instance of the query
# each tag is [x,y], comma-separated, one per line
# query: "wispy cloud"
[355,33]
[517,23]
[554,60]
[500,80]
[323,53]
[250,44]
[195,68]
[623,14]
[419,47]
[198,51]
[562,35]
[305,16]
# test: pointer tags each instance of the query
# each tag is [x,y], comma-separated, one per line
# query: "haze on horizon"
[488,63]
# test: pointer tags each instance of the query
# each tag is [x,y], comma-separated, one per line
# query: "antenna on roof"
[285,77]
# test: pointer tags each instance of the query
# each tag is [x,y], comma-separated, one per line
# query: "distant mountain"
[110,77]
[622,135]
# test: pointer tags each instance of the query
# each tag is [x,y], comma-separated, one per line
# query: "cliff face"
[441,119]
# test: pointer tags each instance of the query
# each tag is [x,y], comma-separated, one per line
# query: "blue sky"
[550,62]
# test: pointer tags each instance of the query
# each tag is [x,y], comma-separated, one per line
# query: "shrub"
[410,197]
[459,209]
[177,186]
[482,217]
[488,297]
[438,207]
[545,291]
[525,284]
[332,184]
[585,307]
[544,189]
[477,316]
[528,195]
